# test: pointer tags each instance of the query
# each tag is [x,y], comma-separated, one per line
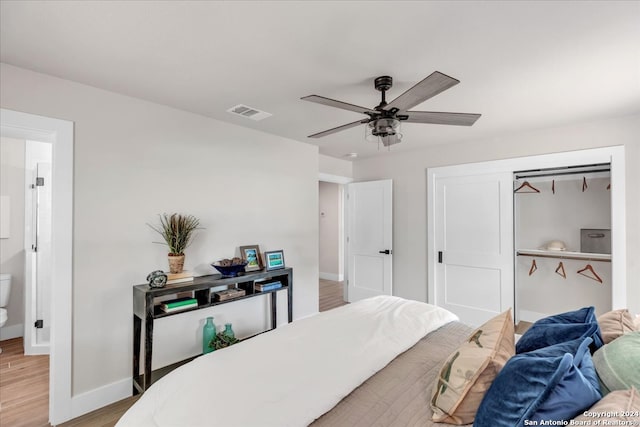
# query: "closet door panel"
[474,234]
[485,294]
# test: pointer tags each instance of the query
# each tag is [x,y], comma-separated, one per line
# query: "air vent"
[248,112]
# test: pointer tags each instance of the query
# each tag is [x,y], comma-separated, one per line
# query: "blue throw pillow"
[562,327]
[554,383]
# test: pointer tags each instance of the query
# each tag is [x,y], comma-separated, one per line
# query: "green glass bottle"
[208,332]
[228,331]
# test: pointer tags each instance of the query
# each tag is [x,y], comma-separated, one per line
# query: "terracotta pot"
[176,263]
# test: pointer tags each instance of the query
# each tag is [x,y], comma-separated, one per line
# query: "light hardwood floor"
[330,295]
[24,381]
[24,387]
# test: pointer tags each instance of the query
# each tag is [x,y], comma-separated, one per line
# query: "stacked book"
[178,304]
[267,286]
[228,294]
[219,288]
[185,276]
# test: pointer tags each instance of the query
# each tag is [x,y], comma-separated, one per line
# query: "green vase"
[228,331]
[208,332]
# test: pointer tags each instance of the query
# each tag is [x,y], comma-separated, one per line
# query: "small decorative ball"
[157,279]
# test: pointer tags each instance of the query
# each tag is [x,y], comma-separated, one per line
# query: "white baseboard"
[102,396]
[13,331]
[332,276]
[37,350]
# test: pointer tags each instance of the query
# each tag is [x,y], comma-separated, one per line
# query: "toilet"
[5,287]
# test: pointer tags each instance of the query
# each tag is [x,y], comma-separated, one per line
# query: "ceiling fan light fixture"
[384,126]
[385,131]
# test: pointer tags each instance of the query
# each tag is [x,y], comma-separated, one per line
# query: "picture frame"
[274,260]
[251,254]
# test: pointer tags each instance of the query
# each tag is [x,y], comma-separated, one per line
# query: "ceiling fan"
[384,120]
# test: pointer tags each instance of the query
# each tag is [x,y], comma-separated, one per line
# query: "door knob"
[386,252]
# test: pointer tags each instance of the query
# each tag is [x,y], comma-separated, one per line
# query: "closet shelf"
[542,253]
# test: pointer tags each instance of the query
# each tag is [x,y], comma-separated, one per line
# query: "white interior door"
[474,245]
[369,239]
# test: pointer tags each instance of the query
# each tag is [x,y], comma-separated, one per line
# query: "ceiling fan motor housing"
[383,83]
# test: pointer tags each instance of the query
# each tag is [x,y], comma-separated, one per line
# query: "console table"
[147,307]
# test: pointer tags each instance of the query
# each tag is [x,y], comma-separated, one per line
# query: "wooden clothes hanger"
[533,268]
[524,186]
[560,270]
[589,272]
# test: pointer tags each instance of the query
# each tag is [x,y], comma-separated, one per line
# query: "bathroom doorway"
[26,240]
[59,135]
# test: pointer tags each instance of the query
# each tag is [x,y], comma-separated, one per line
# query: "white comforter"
[291,375]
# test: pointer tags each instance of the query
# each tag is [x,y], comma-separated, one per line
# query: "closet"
[540,235]
[562,239]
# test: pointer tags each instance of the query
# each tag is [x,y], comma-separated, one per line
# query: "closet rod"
[582,172]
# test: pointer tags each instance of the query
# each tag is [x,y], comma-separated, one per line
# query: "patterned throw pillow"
[468,372]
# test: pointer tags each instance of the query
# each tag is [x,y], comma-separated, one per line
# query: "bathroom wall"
[12,248]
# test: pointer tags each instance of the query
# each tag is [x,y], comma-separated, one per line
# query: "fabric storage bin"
[595,240]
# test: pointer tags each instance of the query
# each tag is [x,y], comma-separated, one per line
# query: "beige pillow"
[619,405]
[469,371]
[615,323]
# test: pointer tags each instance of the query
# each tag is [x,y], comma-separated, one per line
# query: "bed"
[368,363]
[386,361]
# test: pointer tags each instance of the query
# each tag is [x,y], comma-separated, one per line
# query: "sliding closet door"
[473,231]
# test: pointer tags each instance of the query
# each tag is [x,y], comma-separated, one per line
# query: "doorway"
[562,226]
[331,228]
[58,133]
[332,241]
[26,241]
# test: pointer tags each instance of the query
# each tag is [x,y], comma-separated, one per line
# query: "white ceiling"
[523,65]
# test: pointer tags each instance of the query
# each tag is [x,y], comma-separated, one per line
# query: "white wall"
[134,159]
[335,167]
[12,249]
[331,257]
[408,171]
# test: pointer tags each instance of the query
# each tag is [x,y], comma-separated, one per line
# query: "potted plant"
[177,232]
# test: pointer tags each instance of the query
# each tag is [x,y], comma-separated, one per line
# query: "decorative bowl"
[230,270]
[556,245]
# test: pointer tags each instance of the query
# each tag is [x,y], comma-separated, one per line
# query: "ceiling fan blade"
[338,104]
[338,129]
[457,119]
[427,88]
